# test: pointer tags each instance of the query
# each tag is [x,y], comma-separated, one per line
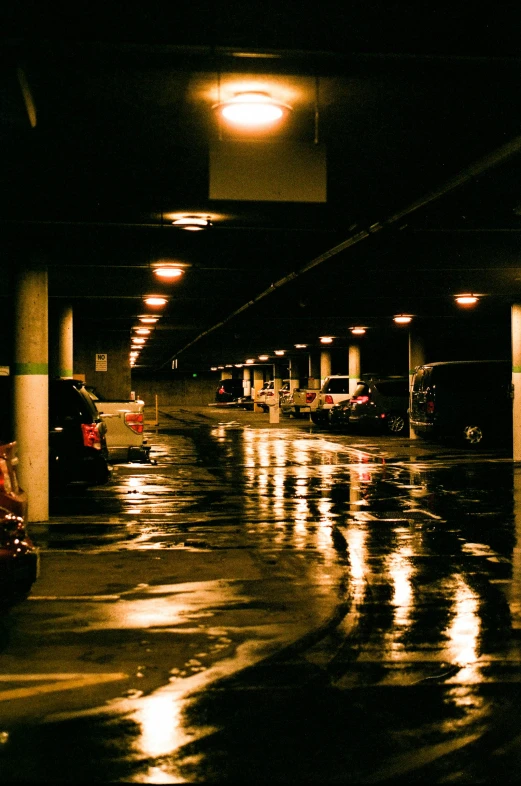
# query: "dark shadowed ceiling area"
[108,134]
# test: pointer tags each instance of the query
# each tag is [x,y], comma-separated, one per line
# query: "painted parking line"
[52,683]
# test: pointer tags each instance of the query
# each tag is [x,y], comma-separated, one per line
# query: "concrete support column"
[416,358]
[65,343]
[354,367]
[516,379]
[294,374]
[246,380]
[258,381]
[325,365]
[314,368]
[31,387]
[277,384]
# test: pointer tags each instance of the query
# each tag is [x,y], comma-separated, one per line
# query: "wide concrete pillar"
[31,387]
[354,367]
[325,365]
[416,358]
[516,379]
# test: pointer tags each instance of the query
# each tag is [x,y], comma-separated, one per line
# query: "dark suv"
[467,400]
[376,403]
[77,442]
[231,391]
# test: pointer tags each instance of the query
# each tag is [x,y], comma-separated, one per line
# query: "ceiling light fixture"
[148,320]
[326,339]
[300,346]
[168,272]
[155,300]
[250,361]
[252,109]
[357,331]
[466,300]
[141,331]
[402,319]
[280,352]
[264,357]
[138,340]
[193,223]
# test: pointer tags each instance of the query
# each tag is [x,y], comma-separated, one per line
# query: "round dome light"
[252,108]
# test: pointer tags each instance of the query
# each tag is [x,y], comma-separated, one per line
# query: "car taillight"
[269,392]
[5,480]
[328,399]
[91,435]
[310,397]
[134,420]
[429,407]
[361,399]
[221,390]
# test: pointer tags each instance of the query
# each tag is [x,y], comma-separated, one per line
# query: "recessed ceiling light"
[192,223]
[264,357]
[466,300]
[357,331]
[168,272]
[252,109]
[326,339]
[155,300]
[138,340]
[148,320]
[141,331]
[300,346]
[280,352]
[402,319]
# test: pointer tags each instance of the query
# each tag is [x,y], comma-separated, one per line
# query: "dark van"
[469,400]
[231,391]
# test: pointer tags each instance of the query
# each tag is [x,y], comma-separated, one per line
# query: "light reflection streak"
[401,572]
[464,631]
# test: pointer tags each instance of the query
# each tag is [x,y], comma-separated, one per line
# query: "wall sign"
[101,361]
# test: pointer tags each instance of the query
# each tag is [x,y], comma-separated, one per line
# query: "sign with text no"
[101,361]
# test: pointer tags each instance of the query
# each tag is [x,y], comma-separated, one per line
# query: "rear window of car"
[337,386]
[361,390]
[394,387]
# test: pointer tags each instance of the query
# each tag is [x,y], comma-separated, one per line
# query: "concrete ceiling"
[107,135]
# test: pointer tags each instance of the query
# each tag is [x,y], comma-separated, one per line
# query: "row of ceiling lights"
[357,330]
[246,109]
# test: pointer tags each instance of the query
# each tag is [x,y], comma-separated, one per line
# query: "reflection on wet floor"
[421,663]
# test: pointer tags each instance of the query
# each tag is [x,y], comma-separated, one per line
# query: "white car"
[334,389]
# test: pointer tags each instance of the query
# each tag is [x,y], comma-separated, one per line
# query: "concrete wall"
[175,390]
[115,382]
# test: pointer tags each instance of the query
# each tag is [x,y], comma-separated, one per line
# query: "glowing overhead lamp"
[252,109]
[239,365]
[326,339]
[213,368]
[300,346]
[357,331]
[168,272]
[280,352]
[264,357]
[146,320]
[466,299]
[192,223]
[138,340]
[402,319]
[250,361]
[141,331]
[155,300]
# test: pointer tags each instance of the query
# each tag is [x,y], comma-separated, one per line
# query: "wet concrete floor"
[272,603]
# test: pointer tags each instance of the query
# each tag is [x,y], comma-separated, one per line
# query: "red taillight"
[134,420]
[361,399]
[269,393]
[310,397]
[429,407]
[328,399]
[221,390]
[91,435]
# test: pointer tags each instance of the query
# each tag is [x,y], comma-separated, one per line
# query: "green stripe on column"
[516,369]
[26,369]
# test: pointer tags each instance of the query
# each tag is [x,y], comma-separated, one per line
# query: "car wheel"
[473,435]
[396,423]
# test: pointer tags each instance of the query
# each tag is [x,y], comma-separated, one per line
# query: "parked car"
[19,559]
[334,389]
[231,392]
[468,400]
[77,436]
[124,420]
[266,395]
[376,403]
